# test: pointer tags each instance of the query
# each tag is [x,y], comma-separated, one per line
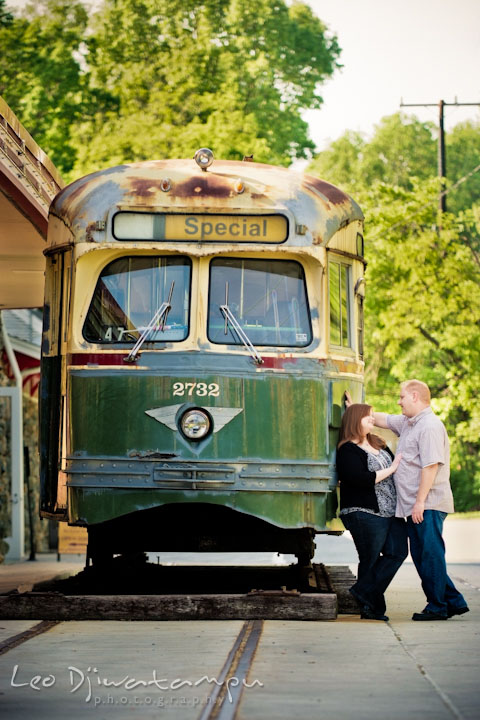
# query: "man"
[424,495]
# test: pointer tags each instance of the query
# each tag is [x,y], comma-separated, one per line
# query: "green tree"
[423,274]
[159,78]
[232,74]
[423,315]
[6,17]
[462,156]
[401,148]
[40,74]
[341,162]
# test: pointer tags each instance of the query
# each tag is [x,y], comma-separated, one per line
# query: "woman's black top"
[357,482]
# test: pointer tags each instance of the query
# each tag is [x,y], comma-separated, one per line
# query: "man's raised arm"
[380,418]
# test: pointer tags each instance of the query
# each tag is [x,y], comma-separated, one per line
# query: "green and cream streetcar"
[202,322]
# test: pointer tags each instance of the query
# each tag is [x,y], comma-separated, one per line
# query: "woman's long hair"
[351,427]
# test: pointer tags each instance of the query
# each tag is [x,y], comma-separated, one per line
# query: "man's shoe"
[457,611]
[428,615]
[368,614]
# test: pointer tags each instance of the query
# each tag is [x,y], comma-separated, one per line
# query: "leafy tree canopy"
[462,157]
[40,76]
[423,274]
[159,78]
[401,148]
[6,17]
[423,315]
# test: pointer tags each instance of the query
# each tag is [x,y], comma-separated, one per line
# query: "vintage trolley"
[203,319]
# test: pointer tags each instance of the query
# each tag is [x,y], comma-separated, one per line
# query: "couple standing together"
[374,504]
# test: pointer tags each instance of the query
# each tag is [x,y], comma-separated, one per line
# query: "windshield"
[267,297]
[129,292]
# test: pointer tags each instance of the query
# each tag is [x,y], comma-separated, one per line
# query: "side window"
[361,324]
[340,304]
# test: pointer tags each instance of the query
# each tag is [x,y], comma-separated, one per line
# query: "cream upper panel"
[346,239]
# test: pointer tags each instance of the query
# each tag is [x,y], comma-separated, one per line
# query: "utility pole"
[442,169]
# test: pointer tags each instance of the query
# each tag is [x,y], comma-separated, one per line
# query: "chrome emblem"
[221,415]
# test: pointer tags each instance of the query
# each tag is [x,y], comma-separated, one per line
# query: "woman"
[365,468]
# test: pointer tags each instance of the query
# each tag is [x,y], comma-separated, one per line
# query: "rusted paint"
[311,202]
[145,188]
[277,363]
[330,192]
[88,232]
[80,191]
[257,196]
[72,192]
[346,366]
[205,185]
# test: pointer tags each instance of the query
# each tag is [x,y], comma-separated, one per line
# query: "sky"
[421,51]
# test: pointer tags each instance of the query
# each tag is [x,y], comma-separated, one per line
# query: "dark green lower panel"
[289,510]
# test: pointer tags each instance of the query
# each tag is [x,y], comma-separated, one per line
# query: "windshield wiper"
[156,323]
[230,318]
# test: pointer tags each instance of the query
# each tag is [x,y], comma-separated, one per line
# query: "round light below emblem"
[195,424]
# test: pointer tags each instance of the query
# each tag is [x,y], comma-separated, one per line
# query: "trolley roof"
[226,187]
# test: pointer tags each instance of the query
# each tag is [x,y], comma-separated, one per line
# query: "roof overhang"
[28,183]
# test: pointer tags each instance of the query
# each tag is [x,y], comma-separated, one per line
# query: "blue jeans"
[428,553]
[382,547]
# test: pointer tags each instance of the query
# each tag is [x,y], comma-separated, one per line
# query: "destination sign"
[200,228]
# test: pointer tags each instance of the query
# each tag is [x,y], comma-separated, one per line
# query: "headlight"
[195,424]
[203,158]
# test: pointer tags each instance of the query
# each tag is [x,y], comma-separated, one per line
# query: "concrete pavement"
[350,669]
